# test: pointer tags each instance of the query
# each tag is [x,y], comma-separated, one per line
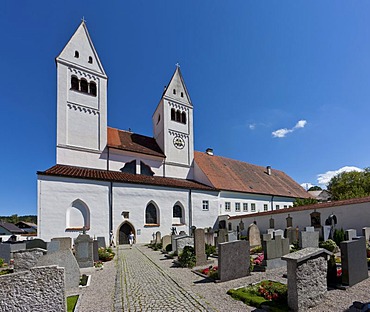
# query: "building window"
[74,83]
[174,91]
[285,206]
[183,118]
[77,54]
[177,211]
[90,60]
[245,206]
[253,207]
[93,88]
[173,114]
[230,226]
[265,207]
[151,214]
[178,116]
[125,214]
[145,169]
[237,207]
[277,207]
[205,205]
[129,167]
[182,94]
[227,206]
[84,86]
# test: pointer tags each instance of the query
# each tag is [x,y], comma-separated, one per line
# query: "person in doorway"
[112,244]
[131,239]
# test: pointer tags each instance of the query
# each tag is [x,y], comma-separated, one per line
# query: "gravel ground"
[99,296]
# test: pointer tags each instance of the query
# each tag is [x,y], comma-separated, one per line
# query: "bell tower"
[81,103]
[173,128]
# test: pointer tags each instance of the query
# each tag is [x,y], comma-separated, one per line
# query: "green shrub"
[1,262]
[338,236]
[105,254]
[329,245]
[187,257]
[256,249]
[210,250]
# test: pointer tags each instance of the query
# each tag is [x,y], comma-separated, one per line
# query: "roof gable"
[177,83]
[233,175]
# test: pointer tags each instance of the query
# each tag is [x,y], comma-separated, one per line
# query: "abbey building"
[106,179]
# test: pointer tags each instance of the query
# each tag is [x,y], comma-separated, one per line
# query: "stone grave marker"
[210,238]
[36,243]
[354,261]
[63,258]
[183,241]
[95,250]
[233,260]
[310,229]
[199,246]
[273,250]
[158,239]
[326,229]
[84,251]
[101,242]
[366,233]
[306,272]
[222,236]
[53,246]
[173,240]
[232,236]
[64,242]
[7,249]
[292,234]
[254,235]
[27,258]
[279,232]
[271,232]
[308,239]
[166,240]
[350,234]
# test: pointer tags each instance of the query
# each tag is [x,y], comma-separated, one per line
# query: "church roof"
[117,176]
[133,142]
[233,175]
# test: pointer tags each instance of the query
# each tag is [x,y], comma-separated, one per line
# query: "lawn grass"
[71,303]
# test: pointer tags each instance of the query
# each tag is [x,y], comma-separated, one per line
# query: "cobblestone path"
[141,285]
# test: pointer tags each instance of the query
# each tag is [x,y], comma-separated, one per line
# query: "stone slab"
[254,235]
[233,260]
[199,246]
[183,241]
[36,243]
[232,236]
[326,229]
[64,242]
[7,249]
[166,240]
[84,251]
[95,250]
[101,241]
[27,259]
[53,246]
[308,239]
[350,234]
[279,233]
[63,258]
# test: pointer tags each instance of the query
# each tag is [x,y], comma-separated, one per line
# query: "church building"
[107,179]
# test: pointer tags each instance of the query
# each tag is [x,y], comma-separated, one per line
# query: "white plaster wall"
[81,158]
[203,218]
[135,198]
[56,194]
[355,216]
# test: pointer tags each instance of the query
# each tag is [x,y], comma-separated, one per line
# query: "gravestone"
[222,236]
[232,236]
[173,240]
[183,241]
[166,240]
[233,260]
[95,250]
[53,246]
[310,229]
[64,242]
[84,251]
[7,249]
[27,258]
[254,235]
[199,246]
[158,239]
[289,221]
[366,233]
[273,250]
[308,239]
[63,258]
[279,232]
[292,234]
[326,229]
[306,272]
[210,238]
[350,234]
[101,242]
[271,233]
[354,261]
[36,243]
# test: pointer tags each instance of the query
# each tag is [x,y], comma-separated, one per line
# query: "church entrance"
[124,231]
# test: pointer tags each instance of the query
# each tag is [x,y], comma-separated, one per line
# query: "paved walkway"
[142,285]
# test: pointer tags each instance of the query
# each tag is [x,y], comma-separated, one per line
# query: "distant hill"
[15,218]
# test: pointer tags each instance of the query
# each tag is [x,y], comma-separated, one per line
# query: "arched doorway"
[124,231]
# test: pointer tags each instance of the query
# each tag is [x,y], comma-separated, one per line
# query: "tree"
[304,202]
[351,184]
[315,188]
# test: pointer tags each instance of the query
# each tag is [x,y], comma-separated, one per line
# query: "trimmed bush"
[187,257]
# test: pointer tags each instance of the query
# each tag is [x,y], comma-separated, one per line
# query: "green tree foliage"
[15,218]
[315,188]
[304,202]
[351,184]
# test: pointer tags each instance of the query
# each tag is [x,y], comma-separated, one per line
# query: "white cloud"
[281,133]
[252,126]
[324,178]
[307,185]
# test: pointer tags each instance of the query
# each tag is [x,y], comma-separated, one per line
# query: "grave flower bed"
[211,271]
[266,293]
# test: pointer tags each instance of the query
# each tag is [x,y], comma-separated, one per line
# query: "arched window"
[84,86]
[93,88]
[151,216]
[177,211]
[78,216]
[77,54]
[74,83]
[173,114]
[178,214]
[183,117]
[178,116]
[90,60]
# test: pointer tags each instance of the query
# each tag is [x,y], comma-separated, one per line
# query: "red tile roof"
[116,176]
[133,142]
[332,204]
[233,175]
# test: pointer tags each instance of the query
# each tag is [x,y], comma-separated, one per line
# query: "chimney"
[268,168]
[209,151]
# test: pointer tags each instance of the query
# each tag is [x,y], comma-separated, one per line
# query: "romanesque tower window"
[174,91]
[173,114]
[90,59]
[77,54]
[93,88]
[182,94]
[74,83]
[84,85]
[178,116]
[183,117]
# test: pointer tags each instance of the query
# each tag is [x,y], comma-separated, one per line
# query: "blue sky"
[280,83]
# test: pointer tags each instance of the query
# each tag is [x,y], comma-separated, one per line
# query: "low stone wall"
[26,259]
[39,289]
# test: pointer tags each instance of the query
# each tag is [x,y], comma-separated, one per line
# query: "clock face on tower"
[179,142]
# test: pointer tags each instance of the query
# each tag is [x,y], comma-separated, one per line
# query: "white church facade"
[106,179]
